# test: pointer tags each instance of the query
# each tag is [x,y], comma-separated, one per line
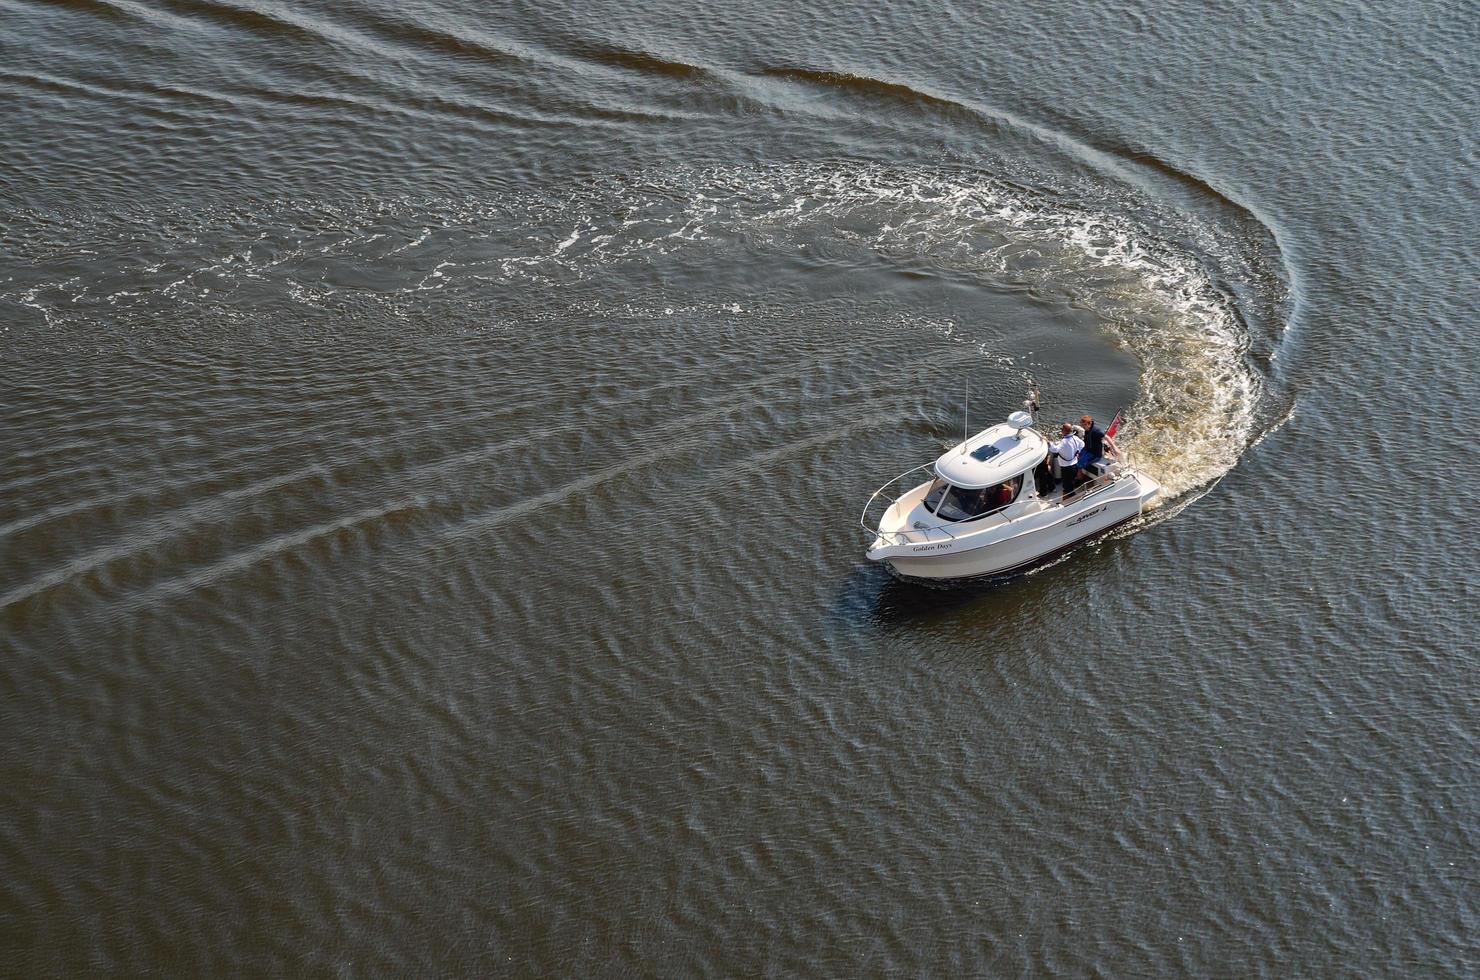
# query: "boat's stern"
[1146,488]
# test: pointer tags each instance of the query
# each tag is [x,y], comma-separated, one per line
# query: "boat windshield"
[952,503]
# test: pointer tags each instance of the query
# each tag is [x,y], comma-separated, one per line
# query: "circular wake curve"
[1168,298]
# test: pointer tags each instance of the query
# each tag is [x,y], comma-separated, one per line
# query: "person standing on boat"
[1066,450]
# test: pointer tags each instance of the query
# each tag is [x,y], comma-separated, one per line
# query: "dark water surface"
[433,434]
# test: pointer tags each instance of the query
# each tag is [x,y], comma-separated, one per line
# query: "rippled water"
[435,437]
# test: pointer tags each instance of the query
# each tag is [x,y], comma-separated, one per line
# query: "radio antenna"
[966,420]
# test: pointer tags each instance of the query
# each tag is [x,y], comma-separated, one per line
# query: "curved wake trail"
[595,247]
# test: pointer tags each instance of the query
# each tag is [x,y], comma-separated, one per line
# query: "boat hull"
[1018,546]
[934,580]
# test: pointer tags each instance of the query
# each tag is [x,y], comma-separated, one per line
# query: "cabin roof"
[992,456]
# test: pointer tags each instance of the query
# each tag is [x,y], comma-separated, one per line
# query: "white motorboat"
[983,514]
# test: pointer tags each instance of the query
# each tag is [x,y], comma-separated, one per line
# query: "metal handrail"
[1098,483]
[874,532]
[1101,482]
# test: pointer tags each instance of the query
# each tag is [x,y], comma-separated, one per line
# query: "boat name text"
[1084,517]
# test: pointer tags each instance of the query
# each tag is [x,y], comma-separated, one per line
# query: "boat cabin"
[985,474]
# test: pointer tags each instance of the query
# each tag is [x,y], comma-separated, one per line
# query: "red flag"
[1113,426]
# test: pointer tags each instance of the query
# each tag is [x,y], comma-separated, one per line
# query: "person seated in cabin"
[1003,494]
[1066,452]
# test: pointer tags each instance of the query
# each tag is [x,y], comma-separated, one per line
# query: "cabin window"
[952,503]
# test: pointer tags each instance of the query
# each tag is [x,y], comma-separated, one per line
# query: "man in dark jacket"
[1095,444]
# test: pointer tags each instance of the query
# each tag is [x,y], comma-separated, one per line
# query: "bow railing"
[902,536]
